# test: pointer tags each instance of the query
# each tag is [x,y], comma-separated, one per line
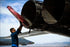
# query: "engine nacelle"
[32,13]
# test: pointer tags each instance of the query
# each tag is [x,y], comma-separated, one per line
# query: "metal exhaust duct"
[31,12]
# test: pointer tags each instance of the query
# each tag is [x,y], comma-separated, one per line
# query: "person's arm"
[20,27]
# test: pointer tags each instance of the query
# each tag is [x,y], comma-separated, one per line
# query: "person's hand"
[21,23]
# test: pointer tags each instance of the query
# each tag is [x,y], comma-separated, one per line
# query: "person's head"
[12,30]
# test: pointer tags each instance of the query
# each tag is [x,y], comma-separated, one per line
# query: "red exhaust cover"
[18,16]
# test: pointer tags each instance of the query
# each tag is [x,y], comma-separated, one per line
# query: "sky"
[7,21]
